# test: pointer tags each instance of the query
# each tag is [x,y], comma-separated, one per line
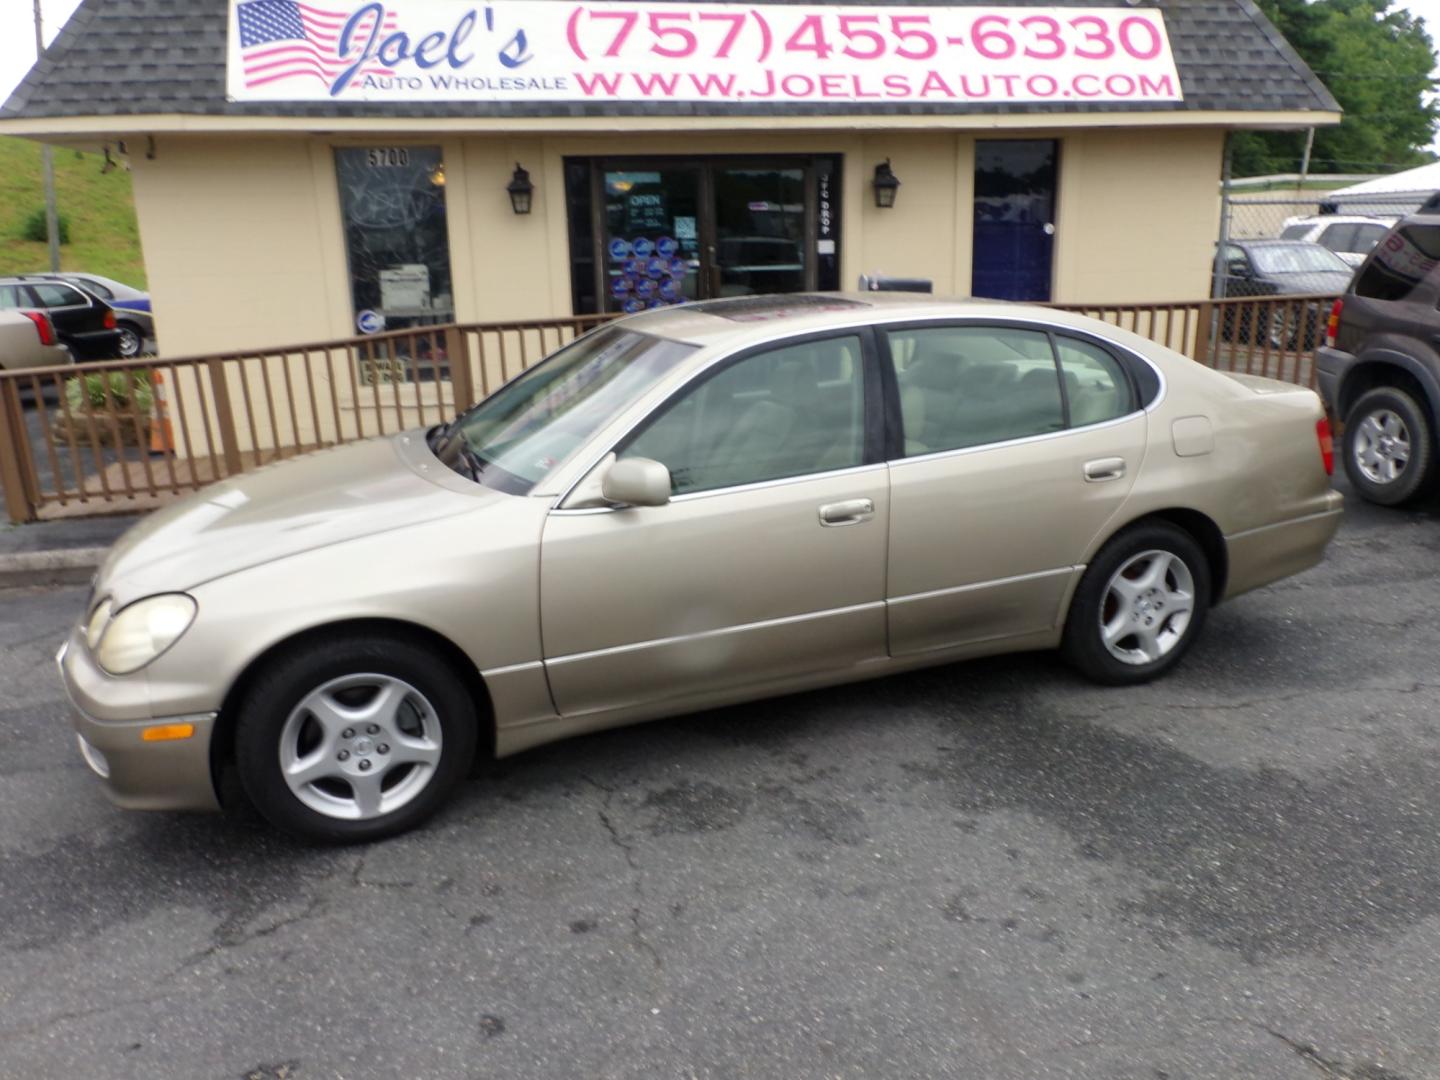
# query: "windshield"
[512,439]
[1296,259]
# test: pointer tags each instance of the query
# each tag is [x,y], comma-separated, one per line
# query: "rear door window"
[57,296]
[1402,264]
[964,386]
[1296,232]
[1095,383]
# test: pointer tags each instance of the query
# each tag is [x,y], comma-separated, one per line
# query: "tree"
[1378,63]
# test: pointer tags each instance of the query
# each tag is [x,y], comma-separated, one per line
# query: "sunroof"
[763,308]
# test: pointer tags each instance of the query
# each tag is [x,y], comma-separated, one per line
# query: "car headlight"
[140,633]
[99,620]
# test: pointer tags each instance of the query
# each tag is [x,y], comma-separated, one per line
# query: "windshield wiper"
[473,461]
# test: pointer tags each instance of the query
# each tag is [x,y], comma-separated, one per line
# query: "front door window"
[785,412]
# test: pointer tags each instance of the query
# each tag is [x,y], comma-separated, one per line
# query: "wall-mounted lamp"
[886,185]
[437,175]
[521,190]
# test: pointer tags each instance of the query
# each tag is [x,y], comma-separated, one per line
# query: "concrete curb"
[63,566]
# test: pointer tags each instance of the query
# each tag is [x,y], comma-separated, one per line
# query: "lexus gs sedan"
[694,507]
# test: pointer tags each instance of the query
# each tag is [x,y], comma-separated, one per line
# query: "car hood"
[282,510]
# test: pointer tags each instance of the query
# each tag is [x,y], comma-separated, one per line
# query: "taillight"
[1333,326]
[109,318]
[42,326]
[1327,444]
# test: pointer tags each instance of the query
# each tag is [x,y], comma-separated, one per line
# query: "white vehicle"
[1349,237]
[27,340]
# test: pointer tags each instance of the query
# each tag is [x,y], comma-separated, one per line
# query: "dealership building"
[305,173]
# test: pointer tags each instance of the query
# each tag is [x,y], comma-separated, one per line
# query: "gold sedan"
[689,508]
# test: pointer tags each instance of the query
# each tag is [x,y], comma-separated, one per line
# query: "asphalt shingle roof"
[147,57]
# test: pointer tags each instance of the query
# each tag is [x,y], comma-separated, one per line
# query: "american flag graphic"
[285,39]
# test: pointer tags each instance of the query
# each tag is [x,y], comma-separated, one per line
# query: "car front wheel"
[1388,446]
[354,739]
[1139,606]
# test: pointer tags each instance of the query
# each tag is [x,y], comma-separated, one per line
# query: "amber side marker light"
[168,732]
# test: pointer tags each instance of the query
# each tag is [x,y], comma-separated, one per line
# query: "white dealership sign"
[550,50]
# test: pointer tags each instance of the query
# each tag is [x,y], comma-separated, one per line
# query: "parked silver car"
[689,508]
[28,340]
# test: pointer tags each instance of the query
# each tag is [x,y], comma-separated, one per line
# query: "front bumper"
[138,774]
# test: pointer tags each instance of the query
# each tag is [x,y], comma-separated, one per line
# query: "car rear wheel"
[1388,446]
[132,340]
[1139,606]
[354,739]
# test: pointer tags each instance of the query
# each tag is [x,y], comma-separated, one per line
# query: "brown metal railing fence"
[1275,336]
[126,435]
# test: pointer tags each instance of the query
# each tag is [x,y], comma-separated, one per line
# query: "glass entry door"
[672,230]
[1014,238]
[759,230]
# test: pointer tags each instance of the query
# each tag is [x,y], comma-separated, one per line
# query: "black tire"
[1409,482]
[1083,644]
[132,340]
[277,692]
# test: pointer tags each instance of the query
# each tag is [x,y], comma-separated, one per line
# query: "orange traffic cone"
[162,435]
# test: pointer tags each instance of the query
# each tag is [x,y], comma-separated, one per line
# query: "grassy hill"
[104,238]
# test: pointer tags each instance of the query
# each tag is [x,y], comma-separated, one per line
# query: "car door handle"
[1102,469]
[849,512]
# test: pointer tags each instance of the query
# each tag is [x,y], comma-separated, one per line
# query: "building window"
[397,239]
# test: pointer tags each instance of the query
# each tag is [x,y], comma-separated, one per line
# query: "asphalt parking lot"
[988,870]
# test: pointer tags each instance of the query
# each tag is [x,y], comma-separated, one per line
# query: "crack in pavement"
[1307,1052]
[358,882]
[226,939]
[637,928]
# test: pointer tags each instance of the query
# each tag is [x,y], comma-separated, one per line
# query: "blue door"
[1014,218]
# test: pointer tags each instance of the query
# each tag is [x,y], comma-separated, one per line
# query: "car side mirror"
[637,482]
[1238,268]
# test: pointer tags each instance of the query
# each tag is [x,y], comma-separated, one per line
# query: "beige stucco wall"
[244,246]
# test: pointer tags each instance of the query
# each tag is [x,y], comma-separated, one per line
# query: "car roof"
[735,320]
[1277,241]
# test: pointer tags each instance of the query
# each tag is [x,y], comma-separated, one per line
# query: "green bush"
[38,230]
[124,389]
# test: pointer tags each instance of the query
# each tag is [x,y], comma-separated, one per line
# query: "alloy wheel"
[360,747]
[1382,446]
[130,343]
[1147,607]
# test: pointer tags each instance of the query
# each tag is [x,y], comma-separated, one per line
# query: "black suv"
[82,321]
[1379,370]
